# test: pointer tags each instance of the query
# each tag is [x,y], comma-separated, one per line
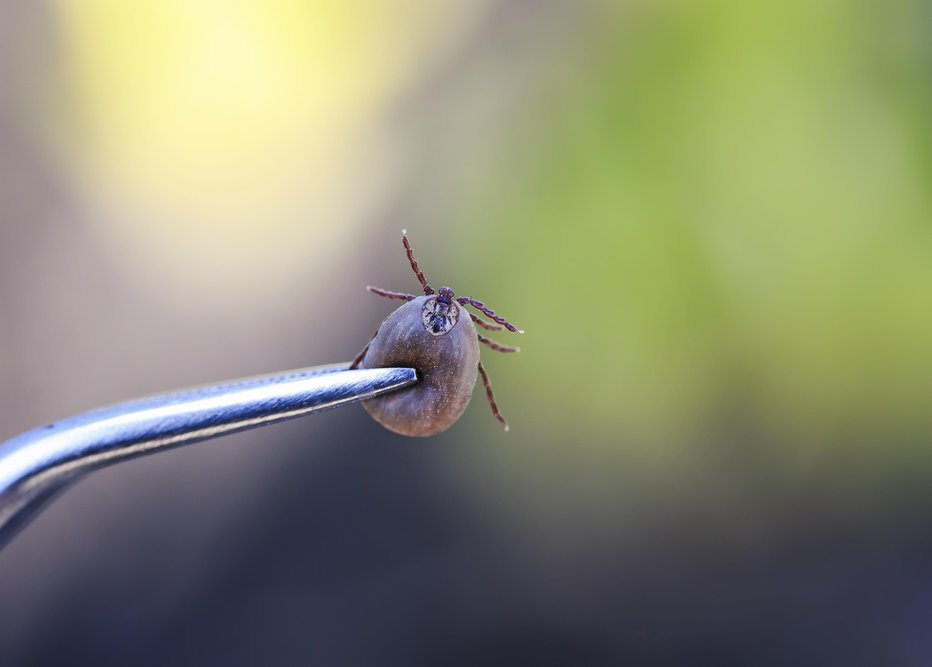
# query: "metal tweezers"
[37,465]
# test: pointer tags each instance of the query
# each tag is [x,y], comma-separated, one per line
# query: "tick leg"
[362,355]
[399,296]
[485,325]
[488,312]
[491,397]
[498,347]
[420,274]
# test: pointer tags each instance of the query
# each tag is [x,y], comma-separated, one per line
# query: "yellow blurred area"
[248,130]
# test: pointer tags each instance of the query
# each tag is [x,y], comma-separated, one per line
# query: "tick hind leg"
[417,271]
[362,354]
[491,397]
[398,296]
[485,325]
[498,347]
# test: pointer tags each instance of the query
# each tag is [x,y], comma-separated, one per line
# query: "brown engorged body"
[447,366]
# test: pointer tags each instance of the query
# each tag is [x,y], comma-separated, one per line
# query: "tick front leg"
[398,296]
[491,397]
[428,290]
[498,347]
[488,312]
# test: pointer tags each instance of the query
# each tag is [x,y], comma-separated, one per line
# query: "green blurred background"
[711,218]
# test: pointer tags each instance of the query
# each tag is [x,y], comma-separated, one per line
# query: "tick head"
[445,295]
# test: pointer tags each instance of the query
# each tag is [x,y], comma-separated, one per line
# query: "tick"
[435,335]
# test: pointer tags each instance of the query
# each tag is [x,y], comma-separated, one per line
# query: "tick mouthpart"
[445,295]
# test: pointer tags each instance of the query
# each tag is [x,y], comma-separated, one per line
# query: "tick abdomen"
[447,365]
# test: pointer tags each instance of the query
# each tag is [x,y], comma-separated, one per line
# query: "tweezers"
[37,465]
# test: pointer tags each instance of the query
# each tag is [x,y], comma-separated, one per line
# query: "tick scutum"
[439,317]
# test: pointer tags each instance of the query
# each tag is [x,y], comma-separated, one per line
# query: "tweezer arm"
[36,465]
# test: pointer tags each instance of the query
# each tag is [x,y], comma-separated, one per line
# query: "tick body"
[447,365]
[435,335]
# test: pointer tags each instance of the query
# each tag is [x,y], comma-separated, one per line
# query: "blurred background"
[712,219]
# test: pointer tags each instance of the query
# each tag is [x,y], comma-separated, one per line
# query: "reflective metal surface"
[37,465]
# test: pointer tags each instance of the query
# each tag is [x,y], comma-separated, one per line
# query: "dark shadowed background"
[712,219]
